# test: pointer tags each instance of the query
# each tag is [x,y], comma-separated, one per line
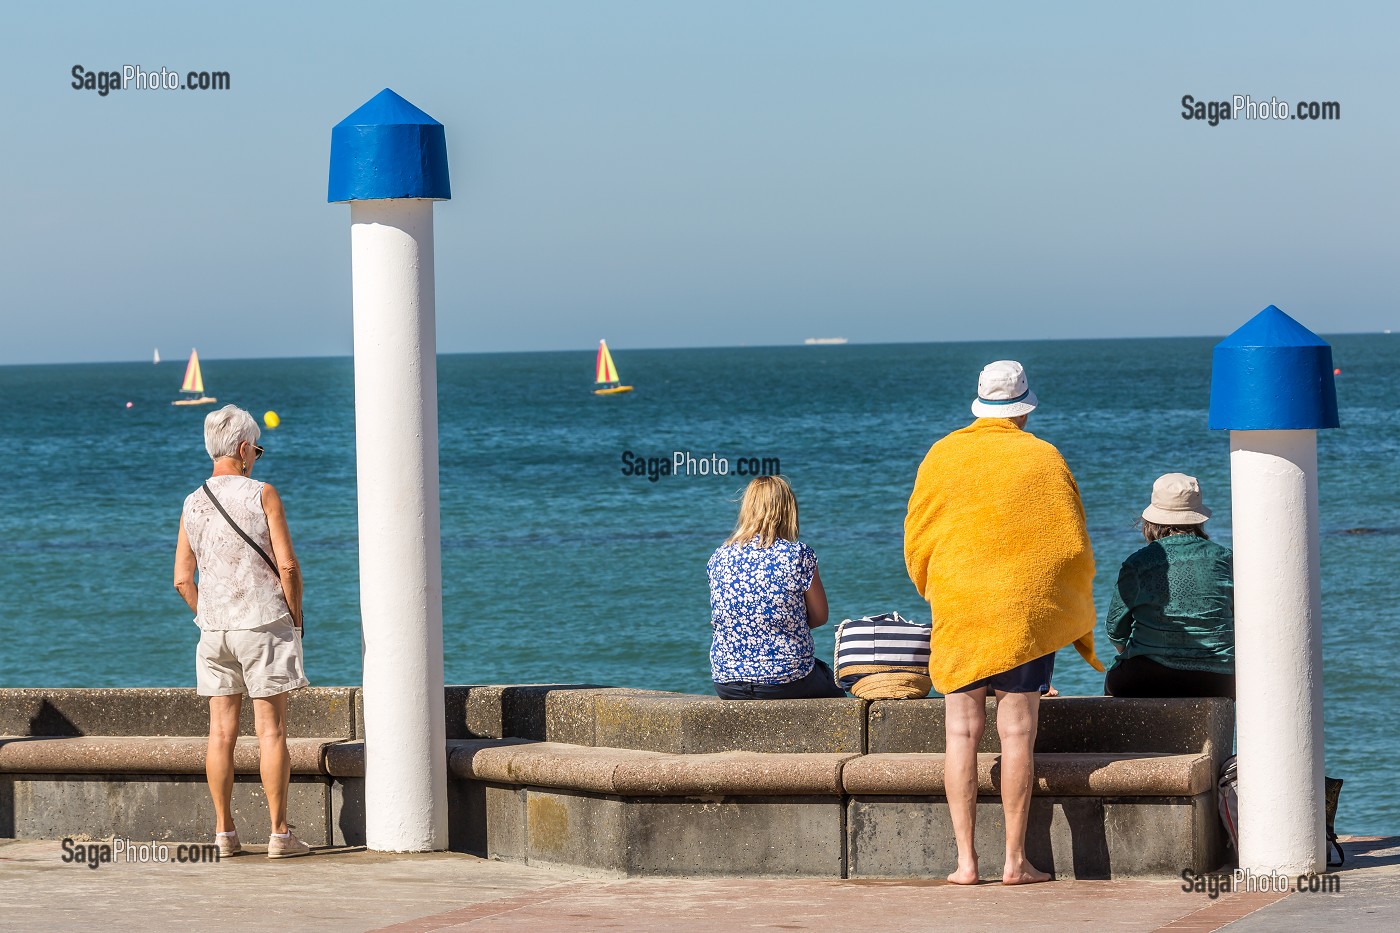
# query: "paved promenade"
[353,890]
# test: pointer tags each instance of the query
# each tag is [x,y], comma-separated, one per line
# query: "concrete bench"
[100,762]
[635,782]
[622,811]
[659,774]
[629,772]
[146,754]
[1066,774]
[623,771]
[1124,787]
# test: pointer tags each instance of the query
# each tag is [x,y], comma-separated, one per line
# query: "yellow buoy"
[270,419]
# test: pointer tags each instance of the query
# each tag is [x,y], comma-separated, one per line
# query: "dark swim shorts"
[1031,677]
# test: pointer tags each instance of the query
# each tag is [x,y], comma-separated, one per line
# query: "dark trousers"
[1143,677]
[819,683]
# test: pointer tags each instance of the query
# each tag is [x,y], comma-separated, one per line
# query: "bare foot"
[966,873]
[1023,873]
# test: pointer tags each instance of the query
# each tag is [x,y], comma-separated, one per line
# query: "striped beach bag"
[883,657]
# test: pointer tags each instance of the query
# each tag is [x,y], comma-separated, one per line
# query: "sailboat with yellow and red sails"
[607,381]
[193,384]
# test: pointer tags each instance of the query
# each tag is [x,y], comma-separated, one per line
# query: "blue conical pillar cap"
[388,149]
[1273,374]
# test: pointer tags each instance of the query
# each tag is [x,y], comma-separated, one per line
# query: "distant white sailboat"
[156,356]
[193,384]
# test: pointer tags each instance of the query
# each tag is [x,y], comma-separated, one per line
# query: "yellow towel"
[995,540]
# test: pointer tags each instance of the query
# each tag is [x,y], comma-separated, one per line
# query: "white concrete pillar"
[1278,650]
[396,443]
[1272,388]
[389,160]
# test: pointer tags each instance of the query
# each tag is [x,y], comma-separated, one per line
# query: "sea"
[570,555]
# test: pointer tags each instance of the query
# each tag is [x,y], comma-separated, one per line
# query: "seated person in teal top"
[1172,615]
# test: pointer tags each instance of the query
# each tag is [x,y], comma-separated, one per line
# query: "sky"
[702,173]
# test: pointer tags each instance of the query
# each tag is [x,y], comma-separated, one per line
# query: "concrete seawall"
[632,782]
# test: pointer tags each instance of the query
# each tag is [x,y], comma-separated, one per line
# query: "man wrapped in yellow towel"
[995,540]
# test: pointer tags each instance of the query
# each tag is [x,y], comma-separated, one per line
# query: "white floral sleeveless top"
[237,589]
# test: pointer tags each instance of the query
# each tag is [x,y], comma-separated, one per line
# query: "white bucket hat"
[1176,500]
[1002,391]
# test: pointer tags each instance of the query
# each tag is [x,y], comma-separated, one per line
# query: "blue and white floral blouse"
[759,613]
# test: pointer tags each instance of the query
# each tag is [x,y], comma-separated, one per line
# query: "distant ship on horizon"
[823,341]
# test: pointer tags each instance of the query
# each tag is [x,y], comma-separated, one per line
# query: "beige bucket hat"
[1176,500]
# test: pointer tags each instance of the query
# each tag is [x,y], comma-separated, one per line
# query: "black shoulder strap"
[241,533]
[1335,845]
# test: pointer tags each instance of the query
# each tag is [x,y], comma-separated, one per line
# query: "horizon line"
[630,349]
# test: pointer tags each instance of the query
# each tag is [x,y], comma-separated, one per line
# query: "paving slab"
[354,890]
[1367,899]
[336,890]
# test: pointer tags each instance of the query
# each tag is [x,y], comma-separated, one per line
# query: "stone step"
[1060,774]
[145,754]
[636,773]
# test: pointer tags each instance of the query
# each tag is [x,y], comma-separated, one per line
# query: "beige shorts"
[261,662]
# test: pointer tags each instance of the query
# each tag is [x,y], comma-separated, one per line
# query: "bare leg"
[218,758]
[965,720]
[270,718]
[1016,724]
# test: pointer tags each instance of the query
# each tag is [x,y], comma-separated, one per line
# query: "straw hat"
[1176,500]
[1002,391]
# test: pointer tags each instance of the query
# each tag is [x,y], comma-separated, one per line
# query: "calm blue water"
[560,569]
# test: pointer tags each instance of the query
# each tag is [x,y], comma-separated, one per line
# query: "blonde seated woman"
[765,599]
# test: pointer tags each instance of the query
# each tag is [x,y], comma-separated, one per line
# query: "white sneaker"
[288,846]
[228,844]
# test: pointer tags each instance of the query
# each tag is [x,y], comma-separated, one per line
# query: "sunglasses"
[257,452]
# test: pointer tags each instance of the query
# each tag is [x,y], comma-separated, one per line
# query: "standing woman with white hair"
[247,605]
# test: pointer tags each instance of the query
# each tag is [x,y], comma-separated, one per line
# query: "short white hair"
[226,428]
